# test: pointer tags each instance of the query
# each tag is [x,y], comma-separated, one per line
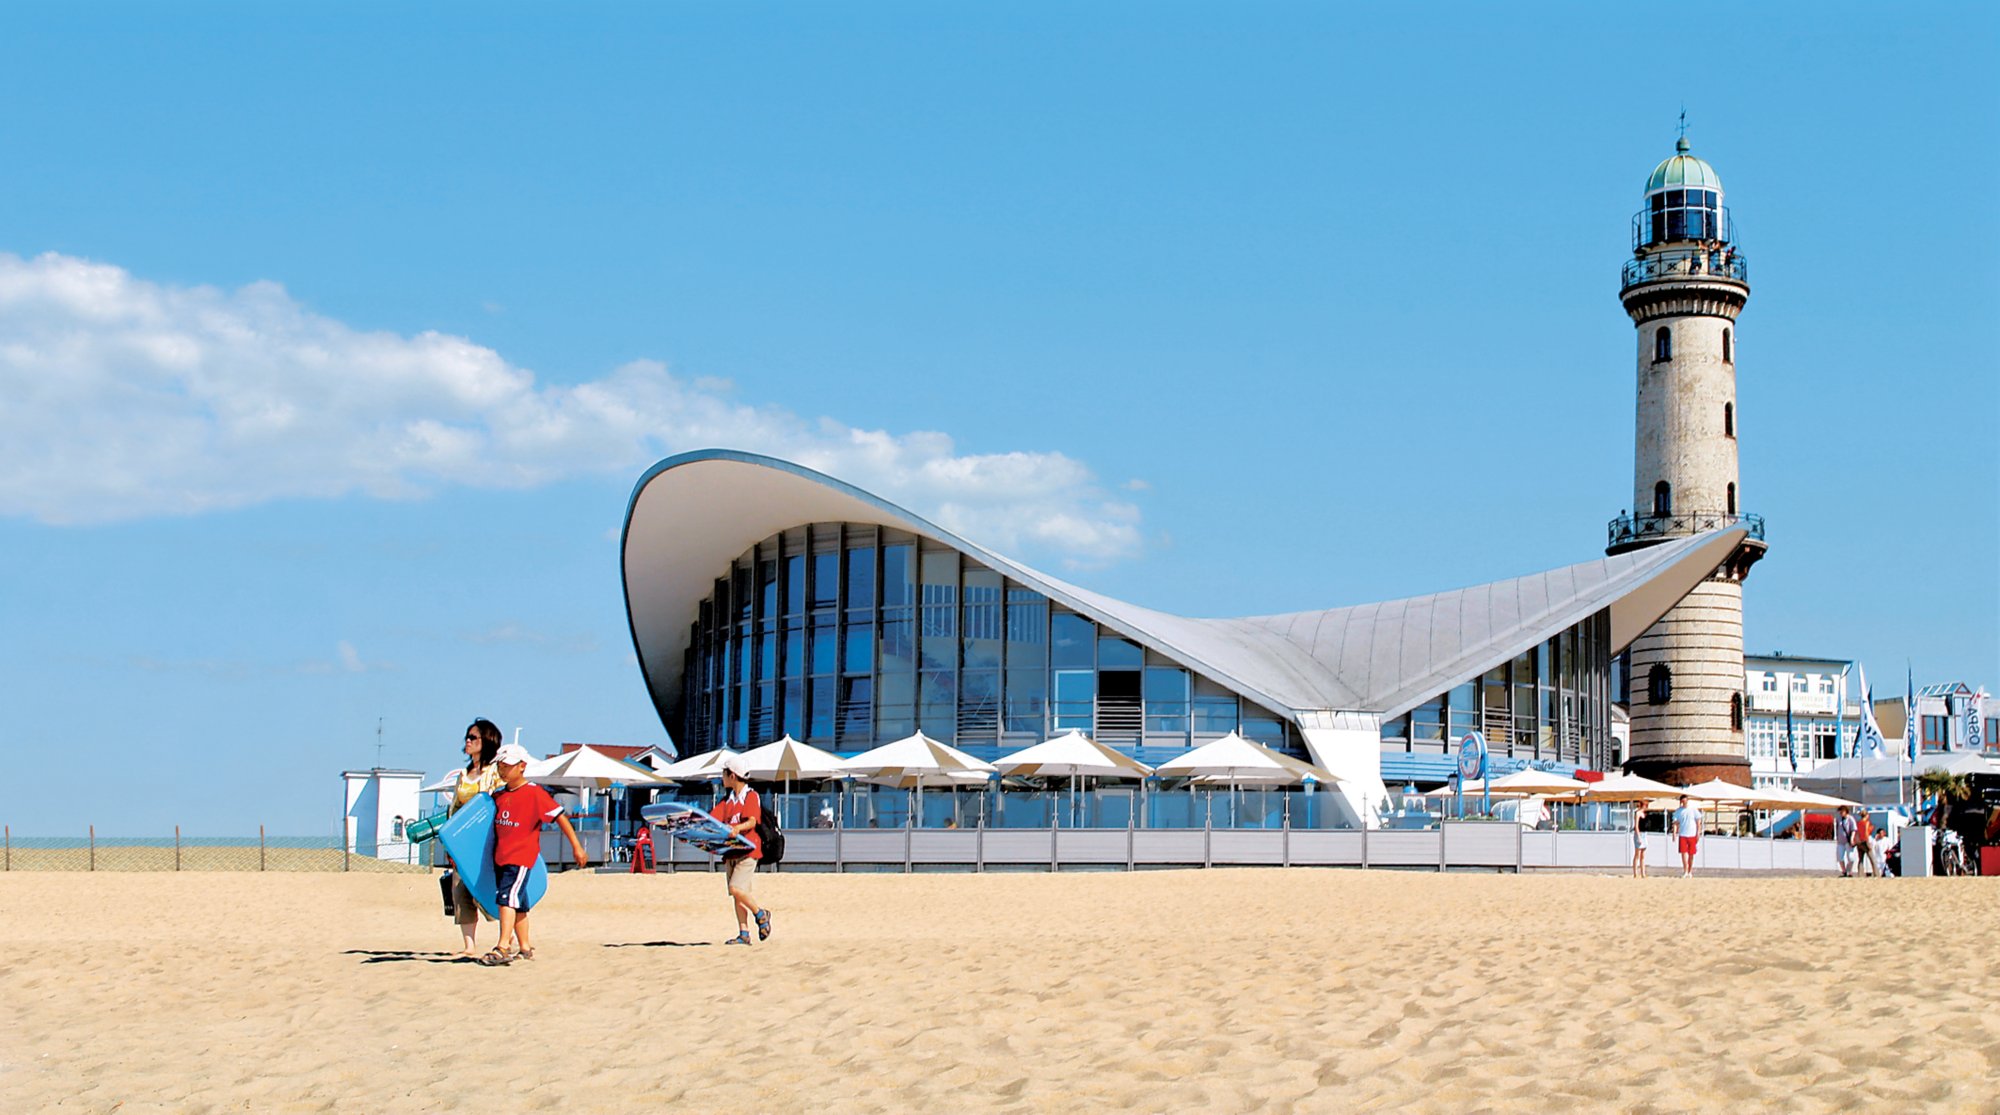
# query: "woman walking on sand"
[1638,841]
[480,776]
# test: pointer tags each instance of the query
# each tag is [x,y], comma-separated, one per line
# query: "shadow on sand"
[407,956]
[658,944]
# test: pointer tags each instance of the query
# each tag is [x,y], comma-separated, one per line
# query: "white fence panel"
[1396,848]
[872,845]
[1177,846]
[944,846]
[1018,846]
[1247,846]
[1324,847]
[1481,844]
[812,846]
[1092,845]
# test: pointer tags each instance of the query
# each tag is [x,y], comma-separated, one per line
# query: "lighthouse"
[1685,284]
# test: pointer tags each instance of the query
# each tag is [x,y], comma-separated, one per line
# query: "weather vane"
[1684,122]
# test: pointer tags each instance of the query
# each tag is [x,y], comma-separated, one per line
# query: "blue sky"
[333,338]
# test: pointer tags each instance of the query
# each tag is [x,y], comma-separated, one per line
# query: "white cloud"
[122,398]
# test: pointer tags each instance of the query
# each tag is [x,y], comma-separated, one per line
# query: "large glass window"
[1166,703]
[1076,700]
[852,635]
[1072,642]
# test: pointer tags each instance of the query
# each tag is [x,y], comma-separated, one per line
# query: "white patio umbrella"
[1235,759]
[790,760]
[1528,782]
[1072,755]
[1716,790]
[1630,787]
[914,761]
[589,768]
[705,767]
[444,785]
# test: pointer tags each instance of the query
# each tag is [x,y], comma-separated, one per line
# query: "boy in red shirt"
[520,809]
[740,810]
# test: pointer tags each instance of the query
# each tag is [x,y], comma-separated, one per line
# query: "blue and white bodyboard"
[690,825]
[468,838]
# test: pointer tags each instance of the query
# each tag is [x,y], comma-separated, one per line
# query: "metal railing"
[1628,529]
[1660,264]
[262,852]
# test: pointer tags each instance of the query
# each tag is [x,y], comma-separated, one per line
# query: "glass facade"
[848,636]
[1551,703]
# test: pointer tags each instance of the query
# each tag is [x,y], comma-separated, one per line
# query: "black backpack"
[770,835]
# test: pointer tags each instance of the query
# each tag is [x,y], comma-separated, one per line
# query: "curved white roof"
[693,514]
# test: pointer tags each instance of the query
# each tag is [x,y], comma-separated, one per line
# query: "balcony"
[1686,264]
[1631,531]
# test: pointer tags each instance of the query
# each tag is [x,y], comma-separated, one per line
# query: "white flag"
[1869,743]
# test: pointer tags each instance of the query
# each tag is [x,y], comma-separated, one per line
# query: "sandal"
[742,938]
[763,925]
[525,954]
[497,959]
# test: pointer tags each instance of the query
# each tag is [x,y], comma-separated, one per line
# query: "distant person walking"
[1687,830]
[740,809]
[480,776]
[1638,841]
[1843,840]
[1864,845]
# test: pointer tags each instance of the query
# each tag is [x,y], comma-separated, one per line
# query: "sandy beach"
[1303,990]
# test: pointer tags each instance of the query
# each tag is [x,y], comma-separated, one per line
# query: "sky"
[333,338]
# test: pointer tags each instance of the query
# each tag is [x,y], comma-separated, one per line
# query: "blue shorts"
[513,886]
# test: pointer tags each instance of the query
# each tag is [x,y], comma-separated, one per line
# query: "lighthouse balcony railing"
[1694,262]
[1629,529]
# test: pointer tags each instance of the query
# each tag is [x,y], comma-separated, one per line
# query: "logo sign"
[1472,756]
[1973,740]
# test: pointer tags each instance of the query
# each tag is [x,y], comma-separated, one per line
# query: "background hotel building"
[1826,716]
[765,599]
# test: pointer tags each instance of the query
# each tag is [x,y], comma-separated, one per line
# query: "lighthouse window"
[1736,712]
[1663,344]
[1663,498]
[1729,420]
[1732,499]
[1659,684]
[1728,349]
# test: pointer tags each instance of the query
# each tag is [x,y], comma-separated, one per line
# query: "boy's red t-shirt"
[730,811]
[518,817]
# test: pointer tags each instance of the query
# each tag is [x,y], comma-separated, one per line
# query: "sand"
[1224,990]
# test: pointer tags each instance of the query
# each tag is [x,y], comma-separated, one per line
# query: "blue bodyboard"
[690,825]
[468,839]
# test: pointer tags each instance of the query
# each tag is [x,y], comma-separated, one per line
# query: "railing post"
[345,850]
[177,847]
[1208,832]
[9,837]
[1287,822]
[260,847]
[93,847]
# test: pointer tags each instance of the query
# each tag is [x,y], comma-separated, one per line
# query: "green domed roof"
[1683,170]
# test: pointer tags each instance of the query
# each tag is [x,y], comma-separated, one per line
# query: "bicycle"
[1952,858]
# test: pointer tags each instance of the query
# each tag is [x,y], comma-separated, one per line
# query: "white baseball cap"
[734,764]
[512,753]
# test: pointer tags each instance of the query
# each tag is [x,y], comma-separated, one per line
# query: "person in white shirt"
[1687,826]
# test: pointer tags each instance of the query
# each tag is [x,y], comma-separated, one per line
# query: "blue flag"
[1910,715]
